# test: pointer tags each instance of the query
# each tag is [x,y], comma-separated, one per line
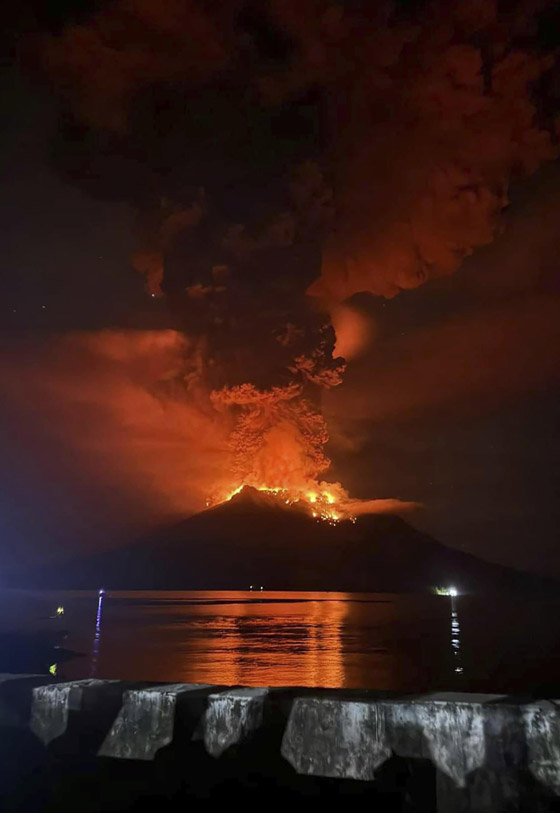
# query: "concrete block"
[542,734]
[51,705]
[146,722]
[231,717]
[336,738]
[447,728]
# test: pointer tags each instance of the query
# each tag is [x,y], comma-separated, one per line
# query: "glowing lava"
[326,502]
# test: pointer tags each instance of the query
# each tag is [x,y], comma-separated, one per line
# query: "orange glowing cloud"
[126,407]
[355,331]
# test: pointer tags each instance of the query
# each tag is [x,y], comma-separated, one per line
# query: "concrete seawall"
[441,752]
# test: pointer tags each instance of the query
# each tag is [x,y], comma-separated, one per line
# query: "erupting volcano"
[321,505]
[255,538]
[281,160]
[283,157]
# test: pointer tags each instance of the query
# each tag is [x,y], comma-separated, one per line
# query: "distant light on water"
[445,591]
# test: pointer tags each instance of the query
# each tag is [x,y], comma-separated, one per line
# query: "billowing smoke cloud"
[276,149]
[429,113]
[431,185]
[127,409]
[128,45]
[114,432]
[489,340]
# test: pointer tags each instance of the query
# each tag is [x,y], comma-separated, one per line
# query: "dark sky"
[454,405]
[62,249]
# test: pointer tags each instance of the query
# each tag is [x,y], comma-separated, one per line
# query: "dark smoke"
[278,148]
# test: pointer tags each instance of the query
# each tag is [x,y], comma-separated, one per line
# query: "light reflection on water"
[97,637]
[336,640]
[456,637]
[307,639]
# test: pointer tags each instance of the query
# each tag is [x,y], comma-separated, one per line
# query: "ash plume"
[123,409]
[285,156]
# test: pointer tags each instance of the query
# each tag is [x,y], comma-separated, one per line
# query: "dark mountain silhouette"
[255,539]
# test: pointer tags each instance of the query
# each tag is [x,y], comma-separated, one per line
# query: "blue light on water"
[97,636]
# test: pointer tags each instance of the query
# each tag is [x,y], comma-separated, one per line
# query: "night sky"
[452,402]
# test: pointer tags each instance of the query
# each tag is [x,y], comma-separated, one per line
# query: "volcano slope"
[256,540]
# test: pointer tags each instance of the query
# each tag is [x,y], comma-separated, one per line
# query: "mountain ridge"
[256,539]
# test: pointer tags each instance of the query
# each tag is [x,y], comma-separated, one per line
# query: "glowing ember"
[321,504]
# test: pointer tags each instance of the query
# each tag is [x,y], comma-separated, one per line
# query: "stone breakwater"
[441,752]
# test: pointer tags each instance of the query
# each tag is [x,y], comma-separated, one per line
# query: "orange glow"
[320,504]
[130,410]
[354,331]
[149,447]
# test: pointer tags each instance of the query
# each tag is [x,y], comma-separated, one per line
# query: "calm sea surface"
[377,641]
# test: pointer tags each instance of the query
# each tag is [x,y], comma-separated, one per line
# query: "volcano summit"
[255,539]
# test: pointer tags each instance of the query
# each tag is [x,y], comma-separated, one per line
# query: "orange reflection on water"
[269,640]
[228,638]
[323,659]
[330,640]
[395,642]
